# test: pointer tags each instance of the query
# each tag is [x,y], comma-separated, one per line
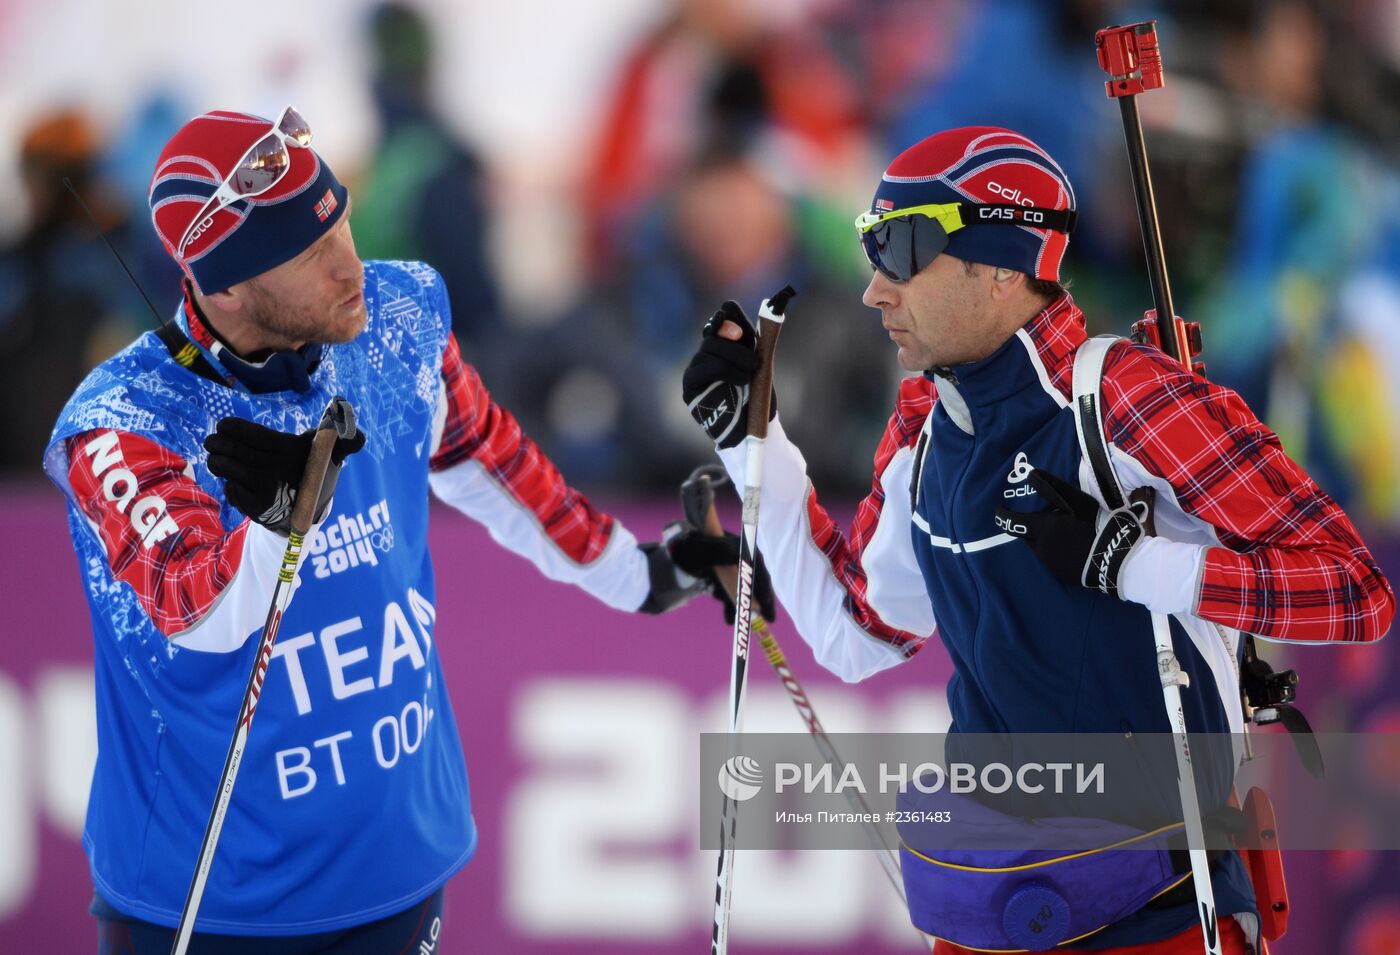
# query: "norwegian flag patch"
[884,205]
[326,206]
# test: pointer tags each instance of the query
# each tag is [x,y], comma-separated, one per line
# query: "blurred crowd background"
[721,149]
[594,179]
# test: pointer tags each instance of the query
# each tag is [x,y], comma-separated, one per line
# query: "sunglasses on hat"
[257,171]
[901,242]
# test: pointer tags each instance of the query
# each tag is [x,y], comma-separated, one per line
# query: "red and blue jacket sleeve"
[1284,561]
[485,466]
[858,598]
[201,585]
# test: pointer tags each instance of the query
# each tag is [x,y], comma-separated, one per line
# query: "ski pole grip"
[770,322]
[728,574]
[337,422]
[1130,56]
[698,499]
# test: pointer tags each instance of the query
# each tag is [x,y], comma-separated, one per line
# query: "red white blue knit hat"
[251,235]
[984,164]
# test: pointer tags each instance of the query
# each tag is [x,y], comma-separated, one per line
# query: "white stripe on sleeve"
[803,579]
[241,608]
[618,576]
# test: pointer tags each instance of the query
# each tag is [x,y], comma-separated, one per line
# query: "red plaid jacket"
[1290,565]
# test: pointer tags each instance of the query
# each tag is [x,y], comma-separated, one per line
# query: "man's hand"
[262,469]
[715,385]
[701,555]
[1079,541]
[670,585]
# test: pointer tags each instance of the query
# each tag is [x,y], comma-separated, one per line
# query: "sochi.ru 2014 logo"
[740,778]
[351,540]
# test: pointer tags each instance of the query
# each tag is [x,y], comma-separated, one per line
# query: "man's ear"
[1006,282]
[229,301]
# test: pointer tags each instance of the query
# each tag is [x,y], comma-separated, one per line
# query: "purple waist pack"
[1035,896]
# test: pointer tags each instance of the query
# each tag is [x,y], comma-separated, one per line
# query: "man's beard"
[294,324]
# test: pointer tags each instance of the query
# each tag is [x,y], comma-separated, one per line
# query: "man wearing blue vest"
[180,457]
[984,523]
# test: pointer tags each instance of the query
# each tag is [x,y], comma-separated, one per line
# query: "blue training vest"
[1031,655]
[352,802]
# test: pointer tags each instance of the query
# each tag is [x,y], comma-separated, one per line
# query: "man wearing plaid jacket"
[983,525]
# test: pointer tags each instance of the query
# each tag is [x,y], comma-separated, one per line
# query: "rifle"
[1133,60]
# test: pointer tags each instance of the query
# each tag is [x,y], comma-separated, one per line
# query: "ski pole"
[770,323]
[698,505]
[697,496]
[337,422]
[887,857]
[1133,61]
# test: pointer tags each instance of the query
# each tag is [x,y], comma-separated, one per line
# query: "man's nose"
[350,267]
[881,292]
[347,263]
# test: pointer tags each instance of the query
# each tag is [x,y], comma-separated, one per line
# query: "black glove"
[670,585]
[715,385]
[262,469]
[1079,541]
[698,554]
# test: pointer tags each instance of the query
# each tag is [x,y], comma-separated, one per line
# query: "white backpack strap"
[1088,416]
[1093,444]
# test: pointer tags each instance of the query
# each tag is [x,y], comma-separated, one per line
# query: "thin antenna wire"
[117,255]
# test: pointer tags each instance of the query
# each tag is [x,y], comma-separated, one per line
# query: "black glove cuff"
[666,591]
